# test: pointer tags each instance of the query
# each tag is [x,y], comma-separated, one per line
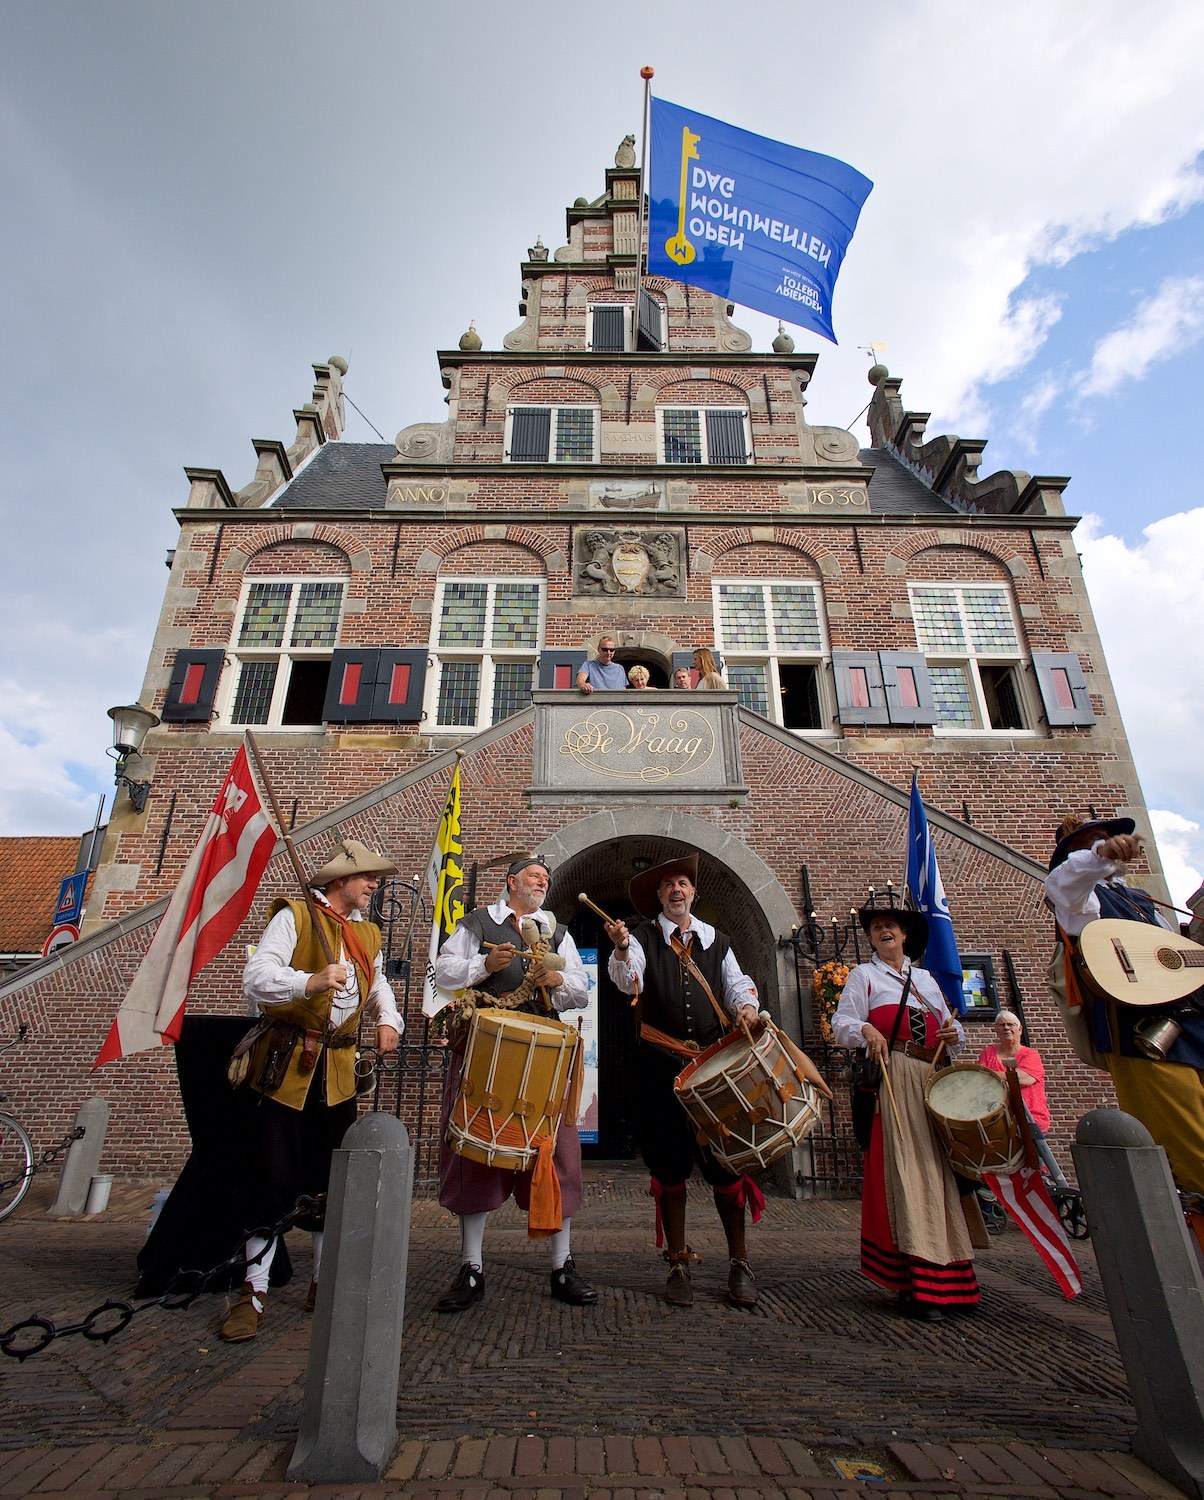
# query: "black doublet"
[671,998]
[509,978]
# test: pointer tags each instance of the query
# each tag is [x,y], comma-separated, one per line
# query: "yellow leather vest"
[312,1013]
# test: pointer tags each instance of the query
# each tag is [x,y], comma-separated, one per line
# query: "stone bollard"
[81,1161]
[1154,1287]
[348,1426]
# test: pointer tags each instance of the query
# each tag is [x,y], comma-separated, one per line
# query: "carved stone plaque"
[643,561]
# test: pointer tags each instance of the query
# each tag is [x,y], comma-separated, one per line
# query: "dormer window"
[551,434]
[615,328]
[704,435]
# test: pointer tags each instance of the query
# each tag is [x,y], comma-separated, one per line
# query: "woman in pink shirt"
[1030,1073]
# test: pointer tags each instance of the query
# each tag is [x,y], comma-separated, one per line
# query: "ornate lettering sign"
[639,745]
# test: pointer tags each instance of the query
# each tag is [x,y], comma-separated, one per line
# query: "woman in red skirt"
[914,1238]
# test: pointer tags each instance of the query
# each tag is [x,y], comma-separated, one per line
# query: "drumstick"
[518,952]
[585,901]
[890,1093]
[936,1057]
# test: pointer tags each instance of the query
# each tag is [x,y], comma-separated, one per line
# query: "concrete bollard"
[348,1426]
[1154,1287]
[82,1161]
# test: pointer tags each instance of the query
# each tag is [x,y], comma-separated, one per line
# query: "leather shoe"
[679,1290]
[922,1312]
[568,1287]
[468,1286]
[741,1285]
[243,1319]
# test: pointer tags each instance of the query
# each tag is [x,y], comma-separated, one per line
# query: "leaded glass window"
[552,434]
[284,640]
[486,634]
[968,634]
[771,633]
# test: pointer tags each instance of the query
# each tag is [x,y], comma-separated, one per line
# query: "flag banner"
[445,879]
[1024,1196]
[750,219]
[207,909]
[927,889]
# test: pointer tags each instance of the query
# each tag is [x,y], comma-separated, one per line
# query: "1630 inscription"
[640,744]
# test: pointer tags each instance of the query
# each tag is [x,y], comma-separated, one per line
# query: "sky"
[202,201]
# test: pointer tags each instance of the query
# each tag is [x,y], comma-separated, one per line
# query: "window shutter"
[648,325]
[400,680]
[530,430]
[860,692]
[192,686]
[682,659]
[610,329]
[558,669]
[1063,688]
[349,688]
[908,687]
[725,437]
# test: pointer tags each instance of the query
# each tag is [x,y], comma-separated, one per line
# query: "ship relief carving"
[613,560]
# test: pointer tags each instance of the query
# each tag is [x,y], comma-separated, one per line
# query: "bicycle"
[16,1148]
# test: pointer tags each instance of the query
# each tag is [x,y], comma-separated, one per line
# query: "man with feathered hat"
[670,960]
[1166,1093]
[302,1064]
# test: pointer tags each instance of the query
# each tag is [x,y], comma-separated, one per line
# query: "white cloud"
[1164,325]
[1148,601]
[1181,845]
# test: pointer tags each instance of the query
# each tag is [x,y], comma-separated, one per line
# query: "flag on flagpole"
[209,904]
[748,218]
[941,957]
[1026,1199]
[445,879]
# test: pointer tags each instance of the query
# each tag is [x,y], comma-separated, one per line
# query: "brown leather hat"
[642,889]
[350,857]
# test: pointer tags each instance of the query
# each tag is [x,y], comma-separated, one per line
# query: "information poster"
[587,1120]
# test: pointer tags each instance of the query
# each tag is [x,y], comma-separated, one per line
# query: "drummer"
[677,1020]
[485,957]
[914,1238]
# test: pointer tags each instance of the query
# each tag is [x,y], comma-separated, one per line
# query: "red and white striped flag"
[206,911]
[1024,1196]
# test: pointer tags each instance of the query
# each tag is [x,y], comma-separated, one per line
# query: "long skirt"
[913,1231]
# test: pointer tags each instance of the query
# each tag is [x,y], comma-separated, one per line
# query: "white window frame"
[735,656]
[284,653]
[700,413]
[487,654]
[630,328]
[555,408]
[971,660]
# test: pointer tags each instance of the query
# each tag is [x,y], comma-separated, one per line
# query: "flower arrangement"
[826,985]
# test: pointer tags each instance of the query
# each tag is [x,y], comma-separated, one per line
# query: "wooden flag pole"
[292,853]
[405,942]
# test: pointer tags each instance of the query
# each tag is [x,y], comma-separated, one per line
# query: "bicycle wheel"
[16,1164]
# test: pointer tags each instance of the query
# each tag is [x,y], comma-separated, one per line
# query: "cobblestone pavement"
[524,1397]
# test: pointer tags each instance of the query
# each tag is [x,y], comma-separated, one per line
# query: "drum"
[512,1087]
[749,1104]
[968,1105]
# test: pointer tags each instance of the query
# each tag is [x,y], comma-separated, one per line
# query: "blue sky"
[202,201]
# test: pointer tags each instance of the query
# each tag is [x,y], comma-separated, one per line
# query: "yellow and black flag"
[445,877]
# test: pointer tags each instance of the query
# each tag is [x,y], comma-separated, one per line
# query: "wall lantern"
[131,725]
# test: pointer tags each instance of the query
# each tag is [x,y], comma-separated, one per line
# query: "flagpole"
[641,254]
[405,942]
[292,853]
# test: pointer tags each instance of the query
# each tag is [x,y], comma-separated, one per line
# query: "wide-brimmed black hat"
[914,924]
[642,889]
[1072,829]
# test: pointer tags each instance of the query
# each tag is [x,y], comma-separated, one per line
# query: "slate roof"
[347,476]
[31,871]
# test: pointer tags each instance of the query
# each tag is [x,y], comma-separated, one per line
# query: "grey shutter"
[192,686]
[400,678]
[906,713]
[1062,669]
[844,664]
[648,323]
[610,329]
[554,663]
[350,686]
[725,437]
[530,430]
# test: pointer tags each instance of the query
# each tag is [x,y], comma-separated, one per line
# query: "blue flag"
[747,218]
[941,957]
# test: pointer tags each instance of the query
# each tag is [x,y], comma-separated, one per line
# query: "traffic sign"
[62,936]
[71,899]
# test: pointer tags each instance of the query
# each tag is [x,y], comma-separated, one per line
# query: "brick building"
[625,464]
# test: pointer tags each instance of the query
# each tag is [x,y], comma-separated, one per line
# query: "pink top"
[1028,1060]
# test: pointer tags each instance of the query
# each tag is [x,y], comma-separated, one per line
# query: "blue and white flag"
[750,219]
[941,957]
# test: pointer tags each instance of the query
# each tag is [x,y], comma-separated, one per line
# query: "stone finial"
[625,155]
[337,362]
[580,202]
[877,374]
[538,251]
[783,344]
[470,342]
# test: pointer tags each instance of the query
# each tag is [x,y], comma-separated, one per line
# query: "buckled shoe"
[741,1284]
[243,1319]
[568,1287]
[467,1288]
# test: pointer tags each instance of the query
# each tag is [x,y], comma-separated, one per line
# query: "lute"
[1140,964]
